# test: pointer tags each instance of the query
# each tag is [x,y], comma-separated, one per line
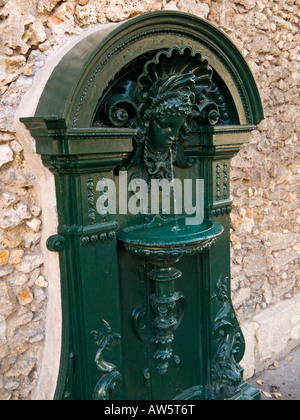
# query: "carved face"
[164,132]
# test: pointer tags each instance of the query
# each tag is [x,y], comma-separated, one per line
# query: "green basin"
[170,239]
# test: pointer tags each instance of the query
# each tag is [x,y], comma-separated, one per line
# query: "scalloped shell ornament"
[174,72]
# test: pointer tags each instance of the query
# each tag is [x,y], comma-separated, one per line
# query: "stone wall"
[265,174]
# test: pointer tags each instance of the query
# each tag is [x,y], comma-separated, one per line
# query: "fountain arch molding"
[163,95]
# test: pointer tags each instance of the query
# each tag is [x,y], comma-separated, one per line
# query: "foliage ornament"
[110,378]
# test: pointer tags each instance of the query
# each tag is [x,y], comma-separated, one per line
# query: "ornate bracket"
[110,375]
[56,243]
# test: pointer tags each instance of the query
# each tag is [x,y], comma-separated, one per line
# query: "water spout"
[176,209]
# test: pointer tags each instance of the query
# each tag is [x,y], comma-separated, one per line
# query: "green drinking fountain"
[167,100]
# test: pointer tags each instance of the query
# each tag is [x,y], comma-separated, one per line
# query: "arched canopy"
[83,75]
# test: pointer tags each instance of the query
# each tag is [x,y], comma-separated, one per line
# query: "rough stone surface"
[6,154]
[8,302]
[25,297]
[265,174]
[4,255]
[281,381]
[272,334]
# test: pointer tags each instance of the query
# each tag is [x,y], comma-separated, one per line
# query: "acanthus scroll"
[104,339]
[226,372]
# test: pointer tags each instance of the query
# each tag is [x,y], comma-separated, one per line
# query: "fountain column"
[165,304]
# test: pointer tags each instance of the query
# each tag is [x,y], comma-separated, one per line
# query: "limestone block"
[18,17]
[277,327]
[25,297]
[86,15]
[41,282]
[16,256]
[22,367]
[4,255]
[248,362]
[5,271]
[34,224]
[171,5]
[14,216]
[12,385]
[117,11]
[8,198]
[2,330]
[8,303]
[35,211]
[198,8]
[255,263]
[46,6]
[30,263]
[62,21]
[247,4]
[241,296]
[6,154]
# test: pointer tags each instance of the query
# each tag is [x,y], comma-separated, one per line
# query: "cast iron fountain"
[146,300]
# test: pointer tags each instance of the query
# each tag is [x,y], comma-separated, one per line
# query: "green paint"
[165,94]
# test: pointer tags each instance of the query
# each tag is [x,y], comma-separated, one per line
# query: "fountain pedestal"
[163,246]
[167,314]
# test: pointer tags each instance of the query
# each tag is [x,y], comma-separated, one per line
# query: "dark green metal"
[163,246]
[147,312]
